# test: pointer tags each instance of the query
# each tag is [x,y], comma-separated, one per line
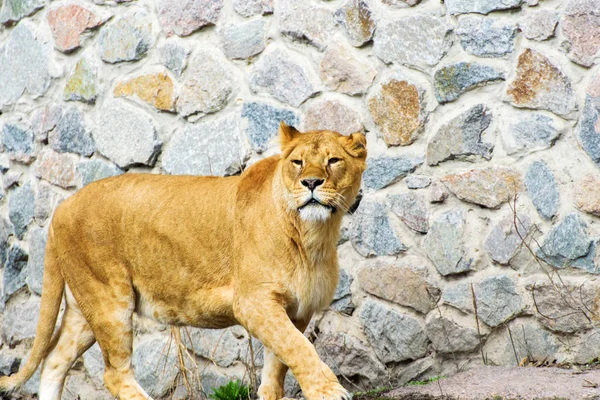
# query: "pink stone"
[57,168]
[68,22]
[581,27]
[183,17]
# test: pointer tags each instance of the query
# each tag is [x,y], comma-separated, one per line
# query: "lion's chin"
[315,212]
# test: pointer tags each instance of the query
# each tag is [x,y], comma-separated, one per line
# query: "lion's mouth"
[315,202]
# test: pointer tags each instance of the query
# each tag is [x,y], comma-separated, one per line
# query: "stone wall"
[477,239]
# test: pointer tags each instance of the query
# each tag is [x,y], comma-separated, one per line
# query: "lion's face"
[321,171]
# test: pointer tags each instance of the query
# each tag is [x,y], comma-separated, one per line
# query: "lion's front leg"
[268,321]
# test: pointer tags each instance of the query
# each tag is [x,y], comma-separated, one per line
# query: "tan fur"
[208,252]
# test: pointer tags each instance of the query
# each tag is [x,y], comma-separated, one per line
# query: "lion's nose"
[312,183]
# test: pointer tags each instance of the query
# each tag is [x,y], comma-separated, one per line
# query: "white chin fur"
[314,213]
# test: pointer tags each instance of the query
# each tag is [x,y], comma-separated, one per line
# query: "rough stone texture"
[587,194]
[21,208]
[278,74]
[539,84]
[68,22]
[333,115]
[81,84]
[208,85]
[532,133]
[57,168]
[480,6]
[542,189]
[147,359]
[461,138]
[505,240]
[395,337]
[497,300]
[588,347]
[306,22]
[35,265]
[588,127]
[444,244]
[209,148]
[581,27]
[24,47]
[412,210]
[385,170]
[398,108]
[14,10]
[20,319]
[400,285]
[173,55]
[459,296]
[46,200]
[489,186]
[372,234]
[243,40]
[415,41]
[453,80]
[342,298]
[17,141]
[342,70]
[486,37]
[539,25]
[93,170]
[71,135]
[221,346]
[415,181]
[126,136]
[154,89]
[449,337]
[126,38]
[566,242]
[15,271]
[263,122]
[356,20]
[44,120]
[183,17]
[249,8]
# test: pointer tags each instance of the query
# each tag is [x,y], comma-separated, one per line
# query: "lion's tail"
[53,287]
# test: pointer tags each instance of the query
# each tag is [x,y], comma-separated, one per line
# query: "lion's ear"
[356,145]
[287,134]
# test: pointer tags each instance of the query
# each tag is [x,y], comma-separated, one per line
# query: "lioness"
[257,250]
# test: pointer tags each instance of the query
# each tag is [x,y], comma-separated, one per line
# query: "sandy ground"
[497,383]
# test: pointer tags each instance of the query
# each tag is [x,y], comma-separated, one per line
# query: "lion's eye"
[297,162]
[334,160]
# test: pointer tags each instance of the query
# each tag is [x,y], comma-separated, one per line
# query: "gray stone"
[581,27]
[210,148]
[400,285]
[44,120]
[126,136]
[23,47]
[497,300]
[540,84]
[209,83]
[449,337]
[332,115]
[21,207]
[345,229]
[243,40]
[401,3]
[6,230]
[184,17]
[419,41]
[372,234]
[356,20]
[416,181]
[148,359]
[283,76]
[588,348]
[82,83]
[461,138]
[542,189]
[445,246]
[263,123]
[173,55]
[11,179]
[539,25]
[411,209]
[486,37]
[342,298]
[453,80]
[393,336]
[249,8]
[94,364]
[588,127]
[348,356]
[127,38]
[589,263]
[9,364]
[480,6]
[94,170]
[37,240]
[221,346]
[532,133]
[15,272]
[342,70]
[437,193]
[566,242]
[46,201]
[71,135]
[13,10]
[20,319]
[305,22]
[459,296]
[504,242]
[385,170]
[17,141]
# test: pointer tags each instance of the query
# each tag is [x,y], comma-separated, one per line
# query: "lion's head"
[321,171]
